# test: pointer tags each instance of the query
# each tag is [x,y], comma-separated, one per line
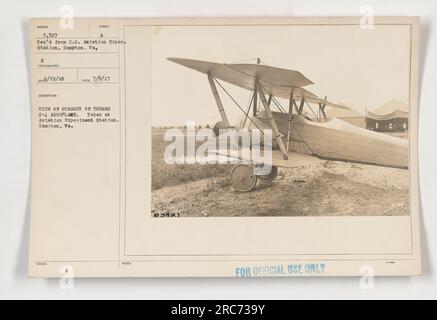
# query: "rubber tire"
[242,178]
[271,176]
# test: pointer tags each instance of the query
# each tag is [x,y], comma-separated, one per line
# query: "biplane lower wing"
[294,159]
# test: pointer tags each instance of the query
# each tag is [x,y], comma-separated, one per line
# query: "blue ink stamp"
[277,270]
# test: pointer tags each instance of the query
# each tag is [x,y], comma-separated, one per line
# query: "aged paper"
[134,171]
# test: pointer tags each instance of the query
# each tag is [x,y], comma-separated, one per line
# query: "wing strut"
[247,112]
[302,104]
[218,101]
[290,117]
[278,136]
[255,100]
[322,109]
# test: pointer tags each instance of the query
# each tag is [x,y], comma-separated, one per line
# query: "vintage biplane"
[298,139]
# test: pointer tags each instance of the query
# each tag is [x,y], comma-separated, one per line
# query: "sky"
[360,68]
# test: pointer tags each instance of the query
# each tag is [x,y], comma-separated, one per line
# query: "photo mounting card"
[224,147]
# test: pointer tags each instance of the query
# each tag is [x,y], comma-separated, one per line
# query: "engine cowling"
[220,125]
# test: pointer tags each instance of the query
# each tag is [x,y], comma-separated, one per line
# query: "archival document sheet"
[224,147]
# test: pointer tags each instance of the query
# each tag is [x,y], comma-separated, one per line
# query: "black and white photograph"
[325,106]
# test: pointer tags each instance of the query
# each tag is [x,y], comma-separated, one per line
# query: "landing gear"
[271,176]
[243,178]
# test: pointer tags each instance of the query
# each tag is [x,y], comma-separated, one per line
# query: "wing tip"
[174,59]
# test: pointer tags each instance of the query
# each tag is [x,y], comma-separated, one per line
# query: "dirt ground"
[329,189]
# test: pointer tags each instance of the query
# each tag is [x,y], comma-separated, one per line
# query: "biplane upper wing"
[275,81]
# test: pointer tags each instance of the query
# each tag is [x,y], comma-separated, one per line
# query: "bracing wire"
[311,109]
[241,109]
[248,110]
[276,102]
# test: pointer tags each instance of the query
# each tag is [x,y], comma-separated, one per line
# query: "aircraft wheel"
[242,178]
[271,176]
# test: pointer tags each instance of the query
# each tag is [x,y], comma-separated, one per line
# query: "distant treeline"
[207,126]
